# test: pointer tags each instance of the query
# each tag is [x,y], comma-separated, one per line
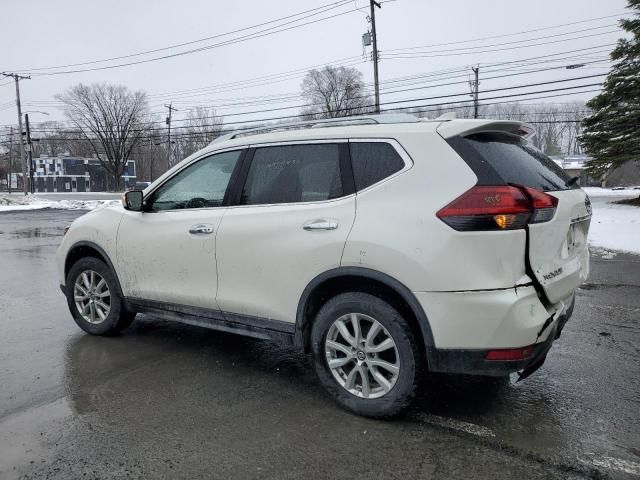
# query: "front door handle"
[321,224]
[201,229]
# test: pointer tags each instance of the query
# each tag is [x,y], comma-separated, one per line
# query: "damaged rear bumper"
[474,361]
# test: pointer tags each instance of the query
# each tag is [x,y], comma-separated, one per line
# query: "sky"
[416,38]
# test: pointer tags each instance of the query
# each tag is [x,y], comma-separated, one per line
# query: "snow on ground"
[33,202]
[613,226]
[607,192]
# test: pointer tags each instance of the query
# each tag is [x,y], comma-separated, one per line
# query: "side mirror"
[132,200]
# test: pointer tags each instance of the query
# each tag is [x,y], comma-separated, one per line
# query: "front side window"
[293,173]
[200,185]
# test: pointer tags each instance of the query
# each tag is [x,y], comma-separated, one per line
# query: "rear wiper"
[572,181]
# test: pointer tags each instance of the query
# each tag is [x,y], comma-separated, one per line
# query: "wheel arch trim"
[366,273]
[97,248]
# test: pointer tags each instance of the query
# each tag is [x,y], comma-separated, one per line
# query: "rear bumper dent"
[473,362]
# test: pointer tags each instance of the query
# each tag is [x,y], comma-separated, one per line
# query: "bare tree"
[335,92]
[54,138]
[202,126]
[150,155]
[111,118]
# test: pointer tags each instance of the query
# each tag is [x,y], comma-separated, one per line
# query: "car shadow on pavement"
[158,352]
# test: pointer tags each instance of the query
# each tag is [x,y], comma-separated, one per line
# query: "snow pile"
[32,202]
[613,226]
[598,192]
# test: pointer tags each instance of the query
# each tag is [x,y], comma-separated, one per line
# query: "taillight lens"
[509,354]
[544,206]
[500,207]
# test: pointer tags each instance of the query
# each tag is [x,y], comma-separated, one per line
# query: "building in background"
[575,165]
[76,174]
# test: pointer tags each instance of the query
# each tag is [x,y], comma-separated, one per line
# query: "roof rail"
[326,122]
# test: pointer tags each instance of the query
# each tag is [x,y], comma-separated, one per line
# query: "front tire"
[94,299]
[366,354]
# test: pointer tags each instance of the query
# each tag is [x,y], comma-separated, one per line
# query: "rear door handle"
[321,224]
[201,229]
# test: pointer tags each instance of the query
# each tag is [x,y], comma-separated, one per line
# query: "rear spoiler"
[469,127]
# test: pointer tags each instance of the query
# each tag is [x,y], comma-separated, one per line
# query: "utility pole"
[10,156]
[373,4]
[476,87]
[168,122]
[17,79]
[29,153]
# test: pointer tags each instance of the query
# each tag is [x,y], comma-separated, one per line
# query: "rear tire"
[94,298]
[366,354]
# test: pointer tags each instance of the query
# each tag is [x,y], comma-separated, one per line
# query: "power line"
[526,61]
[396,102]
[328,6]
[443,53]
[383,103]
[259,34]
[449,106]
[501,43]
[286,98]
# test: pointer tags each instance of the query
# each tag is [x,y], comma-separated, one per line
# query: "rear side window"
[500,159]
[293,173]
[373,161]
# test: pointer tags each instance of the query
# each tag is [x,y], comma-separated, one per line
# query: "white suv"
[385,245]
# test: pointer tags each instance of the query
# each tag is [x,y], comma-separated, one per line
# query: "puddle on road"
[29,437]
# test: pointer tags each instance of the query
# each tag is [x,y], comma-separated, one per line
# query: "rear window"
[373,161]
[500,158]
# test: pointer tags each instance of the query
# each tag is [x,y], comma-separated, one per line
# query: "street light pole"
[168,122]
[17,79]
[32,187]
[10,157]
[476,87]
[29,152]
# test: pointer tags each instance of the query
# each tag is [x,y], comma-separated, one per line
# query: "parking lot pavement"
[165,400]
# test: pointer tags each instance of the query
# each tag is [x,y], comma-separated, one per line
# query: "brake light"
[500,207]
[544,206]
[505,354]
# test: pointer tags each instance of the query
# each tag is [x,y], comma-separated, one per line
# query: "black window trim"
[234,174]
[397,146]
[344,159]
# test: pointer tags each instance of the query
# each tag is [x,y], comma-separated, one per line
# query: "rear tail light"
[506,354]
[544,206]
[501,207]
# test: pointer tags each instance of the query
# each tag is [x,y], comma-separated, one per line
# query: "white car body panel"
[505,318]
[473,286]
[397,231]
[558,249]
[266,258]
[160,260]
[98,227]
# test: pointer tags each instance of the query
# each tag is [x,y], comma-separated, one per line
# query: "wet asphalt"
[165,400]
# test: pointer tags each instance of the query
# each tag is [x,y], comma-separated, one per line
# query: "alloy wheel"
[92,296]
[362,355]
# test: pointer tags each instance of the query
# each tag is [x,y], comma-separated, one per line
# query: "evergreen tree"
[612,132]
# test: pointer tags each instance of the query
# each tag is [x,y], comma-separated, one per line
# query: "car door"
[291,221]
[166,253]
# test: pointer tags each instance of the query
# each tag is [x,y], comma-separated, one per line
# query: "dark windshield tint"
[373,161]
[293,173]
[499,158]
